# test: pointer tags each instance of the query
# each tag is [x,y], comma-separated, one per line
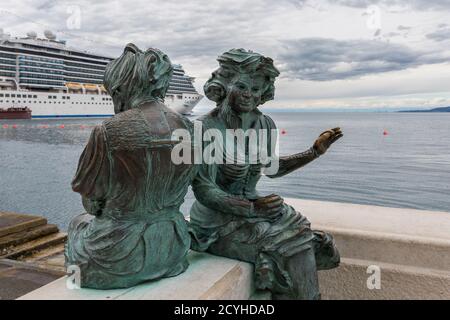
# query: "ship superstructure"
[54,80]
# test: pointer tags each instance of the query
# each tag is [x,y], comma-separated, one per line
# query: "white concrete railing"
[409,248]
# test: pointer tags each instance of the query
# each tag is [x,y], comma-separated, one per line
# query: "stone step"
[18,238]
[11,222]
[31,247]
[45,254]
[51,258]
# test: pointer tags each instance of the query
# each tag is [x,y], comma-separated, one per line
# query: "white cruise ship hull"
[72,105]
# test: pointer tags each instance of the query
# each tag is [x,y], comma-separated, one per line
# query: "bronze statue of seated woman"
[230,218]
[133,230]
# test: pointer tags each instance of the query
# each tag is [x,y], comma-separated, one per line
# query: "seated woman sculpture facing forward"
[229,217]
[133,230]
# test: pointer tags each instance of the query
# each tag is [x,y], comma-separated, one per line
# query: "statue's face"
[245,93]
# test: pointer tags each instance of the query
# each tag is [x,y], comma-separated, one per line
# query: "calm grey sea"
[409,167]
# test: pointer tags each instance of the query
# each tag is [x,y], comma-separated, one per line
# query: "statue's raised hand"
[326,139]
[269,207]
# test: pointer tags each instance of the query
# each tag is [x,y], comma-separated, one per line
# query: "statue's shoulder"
[211,119]
[268,121]
[127,130]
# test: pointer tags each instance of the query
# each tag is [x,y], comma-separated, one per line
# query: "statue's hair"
[137,76]
[240,61]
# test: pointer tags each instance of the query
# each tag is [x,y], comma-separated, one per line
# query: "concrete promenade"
[387,253]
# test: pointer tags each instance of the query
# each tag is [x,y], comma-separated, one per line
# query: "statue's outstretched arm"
[287,164]
[293,162]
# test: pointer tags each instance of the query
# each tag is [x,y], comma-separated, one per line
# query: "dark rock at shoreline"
[442,109]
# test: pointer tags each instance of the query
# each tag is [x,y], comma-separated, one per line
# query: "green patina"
[133,230]
[230,218]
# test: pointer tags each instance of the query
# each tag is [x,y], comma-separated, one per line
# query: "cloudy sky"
[333,54]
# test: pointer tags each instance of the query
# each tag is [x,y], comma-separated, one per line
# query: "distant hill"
[442,109]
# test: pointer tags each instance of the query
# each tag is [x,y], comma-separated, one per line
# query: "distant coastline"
[442,109]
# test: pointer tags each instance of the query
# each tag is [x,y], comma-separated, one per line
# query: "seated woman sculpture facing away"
[133,230]
[230,218]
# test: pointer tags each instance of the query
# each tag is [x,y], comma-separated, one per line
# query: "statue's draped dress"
[134,230]
[222,222]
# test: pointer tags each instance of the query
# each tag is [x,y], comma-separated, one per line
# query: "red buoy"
[61,126]
[385,133]
[283,132]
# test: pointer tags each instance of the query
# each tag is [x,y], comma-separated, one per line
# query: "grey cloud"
[403,28]
[417,4]
[439,35]
[320,59]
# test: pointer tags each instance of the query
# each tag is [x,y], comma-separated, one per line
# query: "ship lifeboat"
[90,87]
[74,86]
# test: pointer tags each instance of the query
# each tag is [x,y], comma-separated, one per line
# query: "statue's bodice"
[239,179]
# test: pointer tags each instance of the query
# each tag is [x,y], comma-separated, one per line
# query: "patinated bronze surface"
[133,230]
[230,218]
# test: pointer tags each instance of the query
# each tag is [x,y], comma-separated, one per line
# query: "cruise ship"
[53,80]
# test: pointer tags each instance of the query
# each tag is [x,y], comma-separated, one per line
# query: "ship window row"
[41,65]
[70,69]
[174,76]
[8,55]
[7,74]
[54,102]
[73,57]
[39,48]
[85,76]
[11,62]
[13,95]
[40,76]
[78,80]
[185,83]
[180,79]
[40,70]
[176,82]
[10,68]
[41,59]
[180,86]
[172,91]
[82,65]
[52,83]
